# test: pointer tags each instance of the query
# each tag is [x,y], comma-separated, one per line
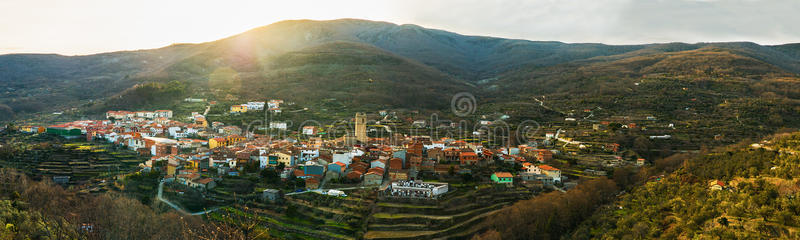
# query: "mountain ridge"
[430,56]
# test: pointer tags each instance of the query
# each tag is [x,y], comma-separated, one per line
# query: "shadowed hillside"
[385,64]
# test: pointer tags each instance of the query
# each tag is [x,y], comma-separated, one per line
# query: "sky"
[79,27]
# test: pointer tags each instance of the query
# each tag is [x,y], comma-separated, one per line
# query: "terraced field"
[364,215]
[455,216]
[42,156]
[309,215]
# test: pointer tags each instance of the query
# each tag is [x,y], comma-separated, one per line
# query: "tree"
[251,167]
[467,177]
[556,212]
[270,175]
[281,166]
[624,176]
[640,230]
[723,221]
[50,212]
[642,145]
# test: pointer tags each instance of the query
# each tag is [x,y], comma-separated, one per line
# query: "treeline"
[550,215]
[40,210]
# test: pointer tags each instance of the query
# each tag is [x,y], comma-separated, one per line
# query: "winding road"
[161,198]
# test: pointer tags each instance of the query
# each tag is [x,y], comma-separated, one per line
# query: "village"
[203,166]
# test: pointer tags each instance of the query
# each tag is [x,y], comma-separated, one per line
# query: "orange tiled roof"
[468,154]
[204,181]
[548,168]
[503,174]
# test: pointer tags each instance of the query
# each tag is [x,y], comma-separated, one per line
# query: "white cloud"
[619,21]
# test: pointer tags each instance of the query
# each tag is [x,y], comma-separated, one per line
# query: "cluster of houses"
[150,133]
[178,148]
[124,115]
[541,174]
[271,105]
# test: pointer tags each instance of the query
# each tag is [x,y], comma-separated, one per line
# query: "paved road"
[161,198]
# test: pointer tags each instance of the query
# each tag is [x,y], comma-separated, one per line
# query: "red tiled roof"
[469,154]
[548,168]
[298,173]
[503,174]
[354,174]
[378,170]
[189,176]
[204,181]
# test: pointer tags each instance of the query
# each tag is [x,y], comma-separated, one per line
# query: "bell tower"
[361,127]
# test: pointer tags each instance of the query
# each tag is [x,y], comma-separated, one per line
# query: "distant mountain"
[366,62]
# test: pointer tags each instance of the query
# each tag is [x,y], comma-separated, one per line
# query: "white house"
[547,170]
[263,158]
[434,144]
[135,143]
[274,103]
[308,154]
[343,157]
[309,130]
[257,106]
[163,113]
[277,125]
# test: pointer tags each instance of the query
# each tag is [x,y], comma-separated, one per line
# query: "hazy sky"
[92,26]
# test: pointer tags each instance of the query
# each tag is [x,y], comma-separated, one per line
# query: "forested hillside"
[714,90]
[741,192]
[386,65]
[43,210]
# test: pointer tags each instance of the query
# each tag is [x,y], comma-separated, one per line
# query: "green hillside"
[757,199]
[353,73]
